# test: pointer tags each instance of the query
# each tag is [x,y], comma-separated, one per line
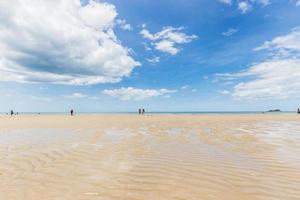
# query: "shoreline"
[157,113]
[126,120]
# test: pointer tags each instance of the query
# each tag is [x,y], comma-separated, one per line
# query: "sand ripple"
[192,161]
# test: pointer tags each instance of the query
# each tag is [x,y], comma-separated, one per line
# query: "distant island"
[276,110]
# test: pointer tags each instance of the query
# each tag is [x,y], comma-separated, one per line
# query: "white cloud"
[167,47]
[146,34]
[124,25]
[167,39]
[244,6]
[137,94]
[298,3]
[61,41]
[283,46]
[154,60]
[228,2]
[277,77]
[75,95]
[188,88]
[273,79]
[230,32]
[94,14]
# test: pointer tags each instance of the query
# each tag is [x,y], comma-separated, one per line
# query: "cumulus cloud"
[75,95]
[167,47]
[167,39]
[136,94]
[230,32]
[61,41]
[277,77]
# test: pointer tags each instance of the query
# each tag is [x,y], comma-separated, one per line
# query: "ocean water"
[157,113]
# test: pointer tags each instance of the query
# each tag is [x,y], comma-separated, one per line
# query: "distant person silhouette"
[11,113]
[140,111]
[298,111]
[72,112]
[143,111]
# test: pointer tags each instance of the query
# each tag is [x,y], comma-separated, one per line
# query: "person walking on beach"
[72,112]
[11,113]
[143,111]
[140,111]
[298,111]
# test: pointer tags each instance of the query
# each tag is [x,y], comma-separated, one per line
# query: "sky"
[118,56]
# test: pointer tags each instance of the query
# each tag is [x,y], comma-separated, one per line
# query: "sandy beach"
[157,157]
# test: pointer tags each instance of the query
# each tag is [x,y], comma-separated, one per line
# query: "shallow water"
[203,160]
[37,136]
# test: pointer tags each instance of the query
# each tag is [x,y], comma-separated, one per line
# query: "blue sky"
[196,55]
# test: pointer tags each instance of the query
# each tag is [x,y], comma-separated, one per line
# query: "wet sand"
[159,157]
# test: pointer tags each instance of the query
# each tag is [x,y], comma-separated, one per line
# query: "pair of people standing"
[141,111]
[13,113]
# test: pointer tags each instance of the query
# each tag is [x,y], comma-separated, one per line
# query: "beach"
[150,157]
